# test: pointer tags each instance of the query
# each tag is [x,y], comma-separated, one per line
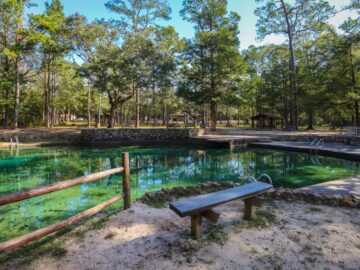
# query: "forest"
[134,70]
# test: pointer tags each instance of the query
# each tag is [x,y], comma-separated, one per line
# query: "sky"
[95,9]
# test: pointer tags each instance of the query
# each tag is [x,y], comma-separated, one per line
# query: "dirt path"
[283,236]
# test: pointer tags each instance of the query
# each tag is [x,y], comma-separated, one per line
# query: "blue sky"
[95,9]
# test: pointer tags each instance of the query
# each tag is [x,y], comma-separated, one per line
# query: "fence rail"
[35,192]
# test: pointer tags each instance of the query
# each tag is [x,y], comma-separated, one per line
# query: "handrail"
[249,179]
[23,195]
[316,144]
[252,179]
[267,177]
[38,191]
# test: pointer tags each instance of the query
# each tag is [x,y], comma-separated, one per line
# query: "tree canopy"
[135,69]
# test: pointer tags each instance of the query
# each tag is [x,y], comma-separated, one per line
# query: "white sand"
[303,236]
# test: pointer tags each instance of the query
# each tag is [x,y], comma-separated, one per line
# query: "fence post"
[126,180]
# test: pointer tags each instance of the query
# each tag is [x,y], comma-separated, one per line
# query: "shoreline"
[287,231]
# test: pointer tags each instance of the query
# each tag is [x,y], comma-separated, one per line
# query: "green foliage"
[292,19]
[135,15]
[212,63]
[127,68]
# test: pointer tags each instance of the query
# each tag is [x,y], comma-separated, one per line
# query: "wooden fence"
[35,192]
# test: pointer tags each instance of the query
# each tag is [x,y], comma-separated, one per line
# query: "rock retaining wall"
[41,134]
[167,195]
[137,135]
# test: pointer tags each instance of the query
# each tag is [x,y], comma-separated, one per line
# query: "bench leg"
[211,215]
[249,210]
[196,222]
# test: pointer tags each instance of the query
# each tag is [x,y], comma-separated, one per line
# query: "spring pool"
[151,168]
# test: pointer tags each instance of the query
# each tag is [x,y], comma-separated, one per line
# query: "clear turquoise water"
[152,168]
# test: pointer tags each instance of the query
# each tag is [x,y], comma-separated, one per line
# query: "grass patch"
[262,219]
[26,255]
[315,209]
[313,250]
[52,245]
[272,262]
[158,202]
[217,234]
[311,259]
[58,252]
[99,224]
[79,234]
[109,236]
[294,237]
[253,250]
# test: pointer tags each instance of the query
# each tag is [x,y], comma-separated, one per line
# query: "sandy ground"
[283,236]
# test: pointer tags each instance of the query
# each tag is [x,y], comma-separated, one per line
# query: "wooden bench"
[201,206]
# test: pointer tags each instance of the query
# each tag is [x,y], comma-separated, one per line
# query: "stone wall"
[137,135]
[29,135]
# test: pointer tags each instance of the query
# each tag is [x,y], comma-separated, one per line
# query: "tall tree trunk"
[17,93]
[17,67]
[137,120]
[99,113]
[7,95]
[7,109]
[228,116]
[68,114]
[310,120]
[203,116]
[353,79]
[293,76]
[357,114]
[112,116]
[47,95]
[89,106]
[164,114]
[154,113]
[213,115]
[121,114]
[53,90]
[6,67]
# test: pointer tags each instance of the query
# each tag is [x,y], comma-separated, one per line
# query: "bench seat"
[201,206]
[194,205]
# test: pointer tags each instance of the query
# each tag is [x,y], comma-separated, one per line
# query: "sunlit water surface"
[152,168]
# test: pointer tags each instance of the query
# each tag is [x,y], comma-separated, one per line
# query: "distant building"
[267,120]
